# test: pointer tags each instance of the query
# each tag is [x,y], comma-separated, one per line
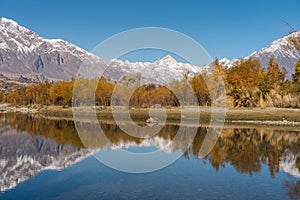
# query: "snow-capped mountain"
[286,51]
[228,63]
[23,156]
[23,52]
[162,71]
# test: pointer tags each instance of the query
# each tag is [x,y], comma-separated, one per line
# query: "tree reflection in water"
[246,149]
[293,189]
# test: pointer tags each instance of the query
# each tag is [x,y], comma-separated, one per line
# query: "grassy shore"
[262,116]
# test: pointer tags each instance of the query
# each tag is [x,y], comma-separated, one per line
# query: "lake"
[43,158]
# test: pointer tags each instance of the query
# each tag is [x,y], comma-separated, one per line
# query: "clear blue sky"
[230,29]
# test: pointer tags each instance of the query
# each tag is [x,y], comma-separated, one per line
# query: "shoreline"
[254,116]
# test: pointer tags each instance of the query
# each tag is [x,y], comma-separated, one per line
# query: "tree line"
[250,85]
[246,83]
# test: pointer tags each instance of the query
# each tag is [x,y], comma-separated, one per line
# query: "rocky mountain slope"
[26,56]
[24,53]
[286,51]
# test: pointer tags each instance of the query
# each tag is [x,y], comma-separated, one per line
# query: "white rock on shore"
[7,108]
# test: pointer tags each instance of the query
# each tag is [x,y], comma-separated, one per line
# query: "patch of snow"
[288,165]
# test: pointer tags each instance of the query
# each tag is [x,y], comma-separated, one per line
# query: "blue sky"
[230,29]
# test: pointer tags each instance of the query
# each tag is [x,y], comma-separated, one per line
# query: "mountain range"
[24,55]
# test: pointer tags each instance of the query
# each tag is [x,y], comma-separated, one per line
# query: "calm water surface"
[45,159]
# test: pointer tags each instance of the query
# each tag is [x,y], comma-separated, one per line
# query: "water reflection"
[29,145]
[293,189]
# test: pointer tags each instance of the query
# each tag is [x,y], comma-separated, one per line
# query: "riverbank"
[259,116]
[7,108]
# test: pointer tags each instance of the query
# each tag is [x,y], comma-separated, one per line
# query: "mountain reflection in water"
[29,145]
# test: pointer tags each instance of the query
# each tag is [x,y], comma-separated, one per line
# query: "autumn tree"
[273,72]
[201,91]
[217,82]
[149,95]
[61,93]
[297,72]
[283,74]
[104,92]
[242,82]
[184,92]
[264,86]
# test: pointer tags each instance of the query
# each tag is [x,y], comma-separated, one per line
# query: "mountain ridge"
[286,51]
[26,55]
[23,52]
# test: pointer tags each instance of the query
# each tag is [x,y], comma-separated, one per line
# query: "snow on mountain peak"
[284,45]
[4,20]
[167,59]
[286,51]
[22,51]
[9,25]
[225,61]
[58,59]
[16,37]
[228,63]
[162,71]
